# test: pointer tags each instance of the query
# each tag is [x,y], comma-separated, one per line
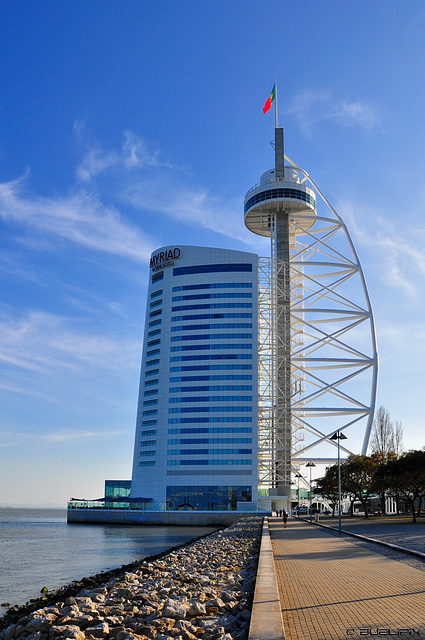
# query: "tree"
[327,487]
[386,437]
[405,476]
[357,478]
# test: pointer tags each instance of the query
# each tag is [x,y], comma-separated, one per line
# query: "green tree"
[357,478]
[405,476]
[327,487]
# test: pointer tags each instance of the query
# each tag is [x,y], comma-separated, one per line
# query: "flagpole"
[275,102]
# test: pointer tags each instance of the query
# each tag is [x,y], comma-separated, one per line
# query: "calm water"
[38,548]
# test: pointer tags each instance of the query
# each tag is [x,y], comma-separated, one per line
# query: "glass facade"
[207,498]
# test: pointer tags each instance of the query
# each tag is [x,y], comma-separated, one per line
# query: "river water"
[38,548]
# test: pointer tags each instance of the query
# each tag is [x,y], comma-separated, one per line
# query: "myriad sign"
[164,258]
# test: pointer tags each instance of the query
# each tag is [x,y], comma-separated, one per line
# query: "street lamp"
[338,435]
[298,475]
[310,464]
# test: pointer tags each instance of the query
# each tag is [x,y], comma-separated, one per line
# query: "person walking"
[285,519]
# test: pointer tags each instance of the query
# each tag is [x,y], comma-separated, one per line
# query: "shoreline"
[205,585]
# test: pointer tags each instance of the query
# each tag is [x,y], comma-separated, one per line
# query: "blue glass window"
[212,336]
[218,356]
[210,399]
[209,462]
[201,327]
[213,305]
[209,347]
[155,303]
[187,441]
[208,498]
[149,432]
[210,316]
[214,285]
[155,294]
[229,409]
[148,403]
[208,452]
[212,268]
[147,463]
[212,377]
[149,423]
[154,323]
[151,392]
[150,383]
[148,443]
[193,420]
[211,430]
[209,296]
[213,367]
[157,276]
[147,454]
[224,387]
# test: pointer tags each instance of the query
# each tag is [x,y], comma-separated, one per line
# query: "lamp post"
[298,475]
[338,435]
[310,464]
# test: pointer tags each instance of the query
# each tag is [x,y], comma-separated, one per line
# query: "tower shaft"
[282,313]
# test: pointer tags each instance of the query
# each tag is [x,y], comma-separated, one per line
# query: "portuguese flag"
[269,100]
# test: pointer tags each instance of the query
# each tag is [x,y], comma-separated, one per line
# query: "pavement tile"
[331,588]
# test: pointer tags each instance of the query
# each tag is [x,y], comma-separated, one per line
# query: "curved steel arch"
[334,359]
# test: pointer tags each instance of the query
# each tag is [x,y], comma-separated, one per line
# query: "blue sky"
[125,126]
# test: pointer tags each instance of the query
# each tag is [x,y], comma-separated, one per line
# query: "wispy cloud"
[310,107]
[397,249]
[40,350]
[80,218]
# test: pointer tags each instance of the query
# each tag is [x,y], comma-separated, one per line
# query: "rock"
[174,609]
[99,631]
[67,631]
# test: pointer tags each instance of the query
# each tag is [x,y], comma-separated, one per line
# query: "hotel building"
[196,432]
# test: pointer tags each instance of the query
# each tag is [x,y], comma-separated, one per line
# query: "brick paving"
[331,588]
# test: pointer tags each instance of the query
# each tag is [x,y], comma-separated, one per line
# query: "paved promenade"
[331,588]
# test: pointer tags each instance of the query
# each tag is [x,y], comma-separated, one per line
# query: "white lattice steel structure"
[318,360]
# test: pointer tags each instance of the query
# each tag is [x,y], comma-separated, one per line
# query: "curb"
[266,618]
[395,547]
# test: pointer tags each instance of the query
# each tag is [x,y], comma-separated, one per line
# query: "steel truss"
[332,357]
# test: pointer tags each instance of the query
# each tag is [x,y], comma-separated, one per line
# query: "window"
[212,367]
[148,443]
[152,342]
[210,399]
[212,336]
[155,313]
[203,327]
[154,323]
[155,294]
[147,463]
[155,332]
[208,462]
[214,285]
[212,430]
[208,296]
[148,403]
[153,352]
[208,347]
[150,363]
[150,412]
[203,420]
[213,305]
[150,383]
[149,432]
[225,387]
[157,276]
[211,268]
[229,409]
[151,392]
[218,356]
[208,452]
[208,498]
[147,454]
[213,377]
[210,316]
[149,423]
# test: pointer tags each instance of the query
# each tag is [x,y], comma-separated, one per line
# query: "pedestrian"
[285,519]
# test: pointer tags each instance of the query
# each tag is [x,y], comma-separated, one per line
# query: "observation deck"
[274,195]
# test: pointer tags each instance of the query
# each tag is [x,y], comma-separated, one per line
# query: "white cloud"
[398,249]
[39,345]
[311,107]
[79,218]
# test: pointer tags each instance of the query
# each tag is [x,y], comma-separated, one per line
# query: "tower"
[317,348]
